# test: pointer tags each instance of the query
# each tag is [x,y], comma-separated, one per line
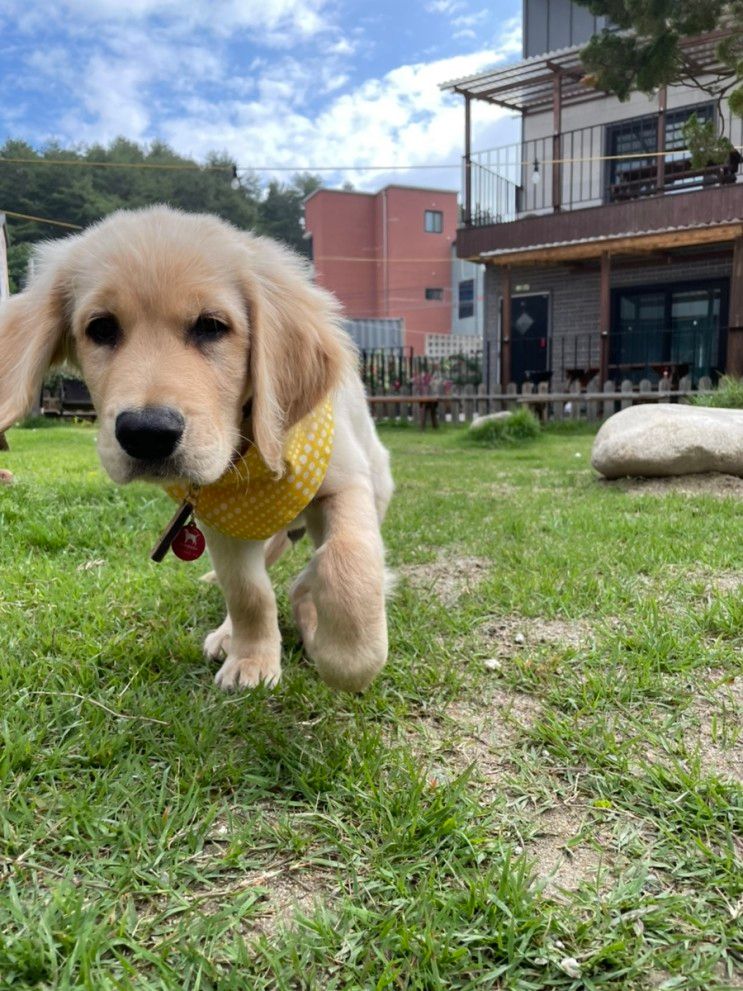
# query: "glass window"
[639,138]
[466,298]
[695,321]
[674,330]
[434,221]
[434,293]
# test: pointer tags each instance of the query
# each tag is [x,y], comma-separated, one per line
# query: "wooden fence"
[593,403]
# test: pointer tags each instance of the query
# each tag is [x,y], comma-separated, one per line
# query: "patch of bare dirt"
[562,858]
[284,891]
[502,489]
[479,735]
[715,581]
[726,581]
[706,483]
[284,887]
[290,893]
[448,578]
[566,843]
[483,737]
[714,723]
[708,731]
[507,634]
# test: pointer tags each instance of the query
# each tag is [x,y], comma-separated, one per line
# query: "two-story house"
[607,253]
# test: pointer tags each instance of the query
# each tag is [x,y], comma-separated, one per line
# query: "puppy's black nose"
[149,434]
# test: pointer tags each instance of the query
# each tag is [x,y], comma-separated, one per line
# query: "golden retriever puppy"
[198,343]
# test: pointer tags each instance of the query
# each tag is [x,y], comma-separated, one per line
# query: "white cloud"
[111,88]
[402,118]
[469,20]
[343,46]
[146,79]
[273,21]
[444,6]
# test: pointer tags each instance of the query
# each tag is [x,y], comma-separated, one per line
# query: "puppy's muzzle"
[150,434]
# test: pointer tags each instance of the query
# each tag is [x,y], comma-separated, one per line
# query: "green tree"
[280,212]
[80,186]
[646,52]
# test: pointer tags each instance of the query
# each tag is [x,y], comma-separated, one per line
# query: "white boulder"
[669,439]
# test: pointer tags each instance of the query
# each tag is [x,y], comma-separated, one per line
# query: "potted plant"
[708,149]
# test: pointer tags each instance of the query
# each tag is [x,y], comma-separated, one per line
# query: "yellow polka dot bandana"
[248,501]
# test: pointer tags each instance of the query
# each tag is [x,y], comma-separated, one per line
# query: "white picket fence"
[593,403]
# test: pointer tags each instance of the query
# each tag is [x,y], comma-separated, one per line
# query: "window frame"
[466,301]
[437,221]
[704,111]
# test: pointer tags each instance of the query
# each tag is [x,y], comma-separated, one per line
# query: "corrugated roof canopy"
[529,85]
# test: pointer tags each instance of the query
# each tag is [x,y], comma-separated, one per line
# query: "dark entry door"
[530,339]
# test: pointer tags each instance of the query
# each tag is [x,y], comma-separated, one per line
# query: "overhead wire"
[231,168]
[41,220]
[78,227]
[235,169]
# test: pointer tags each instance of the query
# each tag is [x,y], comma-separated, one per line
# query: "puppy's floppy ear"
[298,351]
[33,335]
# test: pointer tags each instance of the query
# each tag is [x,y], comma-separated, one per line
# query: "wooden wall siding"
[719,205]
[590,404]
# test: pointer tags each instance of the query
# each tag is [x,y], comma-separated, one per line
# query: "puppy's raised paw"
[248,672]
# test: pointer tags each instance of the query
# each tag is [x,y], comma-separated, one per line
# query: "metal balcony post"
[734,355]
[505,331]
[604,316]
[660,176]
[467,161]
[556,140]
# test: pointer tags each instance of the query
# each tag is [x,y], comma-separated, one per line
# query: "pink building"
[387,254]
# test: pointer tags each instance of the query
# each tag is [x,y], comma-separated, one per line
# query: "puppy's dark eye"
[104,331]
[208,329]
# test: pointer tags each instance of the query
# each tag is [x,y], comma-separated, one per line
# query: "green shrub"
[519,427]
[39,422]
[728,394]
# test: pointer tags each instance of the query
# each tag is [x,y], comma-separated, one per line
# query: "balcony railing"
[574,171]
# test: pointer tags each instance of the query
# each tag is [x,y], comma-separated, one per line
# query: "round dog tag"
[189,543]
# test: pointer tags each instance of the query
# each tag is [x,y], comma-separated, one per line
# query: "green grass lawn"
[538,792]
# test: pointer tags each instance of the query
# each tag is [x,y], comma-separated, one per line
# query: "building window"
[669,330]
[639,137]
[466,298]
[434,293]
[434,221]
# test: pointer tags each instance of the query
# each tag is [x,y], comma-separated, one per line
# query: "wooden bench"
[678,174]
[428,406]
[71,399]
[581,375]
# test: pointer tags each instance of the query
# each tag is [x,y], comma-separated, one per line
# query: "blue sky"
[292,83]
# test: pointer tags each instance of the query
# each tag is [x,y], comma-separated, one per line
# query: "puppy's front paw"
[248,672]
[217,643]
